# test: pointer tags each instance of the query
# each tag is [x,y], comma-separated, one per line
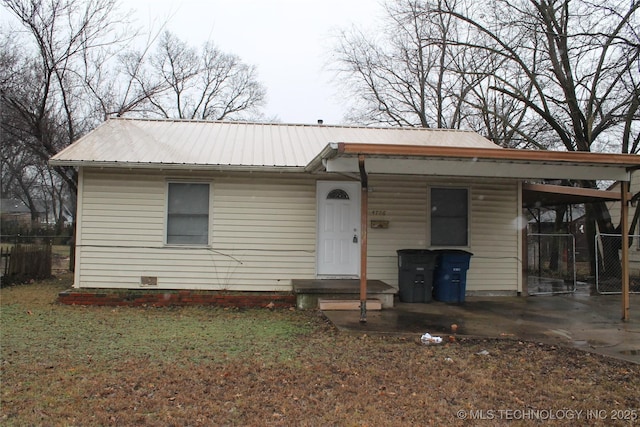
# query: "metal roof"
[211,145]
[185,143]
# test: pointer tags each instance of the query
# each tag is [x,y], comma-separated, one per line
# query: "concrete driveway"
[590,323]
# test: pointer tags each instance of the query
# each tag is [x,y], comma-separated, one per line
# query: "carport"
[536,198]
[362,160]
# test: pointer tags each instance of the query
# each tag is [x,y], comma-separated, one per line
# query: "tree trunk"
[590,233]
[609,261]
[554,256]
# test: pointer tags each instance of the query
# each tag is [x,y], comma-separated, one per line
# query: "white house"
[175,204]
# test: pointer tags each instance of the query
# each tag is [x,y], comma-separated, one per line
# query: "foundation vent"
[148,281]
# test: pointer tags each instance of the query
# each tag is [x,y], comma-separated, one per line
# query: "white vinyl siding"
[261,234]
[403,202]
[493,228]
[262,230]
[495,225]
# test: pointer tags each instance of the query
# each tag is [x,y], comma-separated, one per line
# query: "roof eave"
[318,162]
[175,166]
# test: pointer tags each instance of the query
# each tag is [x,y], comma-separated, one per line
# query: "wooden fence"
[21,263]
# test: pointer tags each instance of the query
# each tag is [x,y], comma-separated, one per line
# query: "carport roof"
[476,162]
[539,195]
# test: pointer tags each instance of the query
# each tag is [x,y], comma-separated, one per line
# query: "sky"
[289,41]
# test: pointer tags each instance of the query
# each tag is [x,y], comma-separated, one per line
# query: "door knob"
[355,238]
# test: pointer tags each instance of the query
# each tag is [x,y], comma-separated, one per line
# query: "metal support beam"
[364,208]
[624,231]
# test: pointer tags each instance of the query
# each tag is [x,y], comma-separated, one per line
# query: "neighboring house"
[614,209]
[15,214]
[50,216]
[177,204]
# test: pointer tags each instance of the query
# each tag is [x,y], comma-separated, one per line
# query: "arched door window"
[337,194]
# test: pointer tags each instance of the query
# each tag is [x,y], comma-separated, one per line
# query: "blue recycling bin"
[450,276]
[415,275]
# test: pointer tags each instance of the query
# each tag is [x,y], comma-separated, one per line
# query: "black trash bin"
[450,277]
[415,274]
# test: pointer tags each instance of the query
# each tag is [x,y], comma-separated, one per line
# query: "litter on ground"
[429,339]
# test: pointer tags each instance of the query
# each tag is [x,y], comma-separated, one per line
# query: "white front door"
[338,228]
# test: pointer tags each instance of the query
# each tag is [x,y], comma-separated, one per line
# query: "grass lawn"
[85,366]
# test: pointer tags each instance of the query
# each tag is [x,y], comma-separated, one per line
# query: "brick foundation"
[142,298]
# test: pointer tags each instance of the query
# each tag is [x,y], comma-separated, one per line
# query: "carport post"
[364,207]
[624,231]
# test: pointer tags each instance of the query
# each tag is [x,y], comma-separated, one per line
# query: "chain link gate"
[551,264]
[609,264]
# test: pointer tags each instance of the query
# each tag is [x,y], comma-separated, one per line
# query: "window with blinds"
[188,214]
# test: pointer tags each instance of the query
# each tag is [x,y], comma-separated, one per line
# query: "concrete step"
[309,291]
[348,304]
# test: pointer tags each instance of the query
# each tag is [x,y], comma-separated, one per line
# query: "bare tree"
[549,74]
[22,158]
[115,83]
[69,65]
[174,80]
[581,60]
[43,90]
[19,180]
[206,85]
[409,75]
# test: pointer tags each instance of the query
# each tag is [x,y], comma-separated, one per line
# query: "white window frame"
[209,213]
[430,216]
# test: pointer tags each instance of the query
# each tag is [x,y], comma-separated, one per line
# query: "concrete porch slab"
[308,291]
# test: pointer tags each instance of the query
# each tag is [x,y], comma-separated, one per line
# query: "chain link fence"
[609,264]
[551,264]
